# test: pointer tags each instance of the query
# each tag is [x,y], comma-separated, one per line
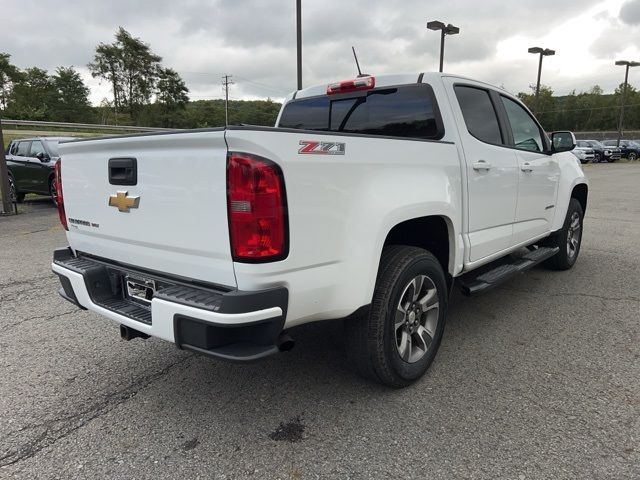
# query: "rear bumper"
[222,323]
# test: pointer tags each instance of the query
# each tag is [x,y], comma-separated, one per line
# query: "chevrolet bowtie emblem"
[123,202]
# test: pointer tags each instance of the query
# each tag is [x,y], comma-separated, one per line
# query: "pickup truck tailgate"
[179,225]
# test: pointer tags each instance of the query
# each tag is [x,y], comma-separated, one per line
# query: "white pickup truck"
[369,200]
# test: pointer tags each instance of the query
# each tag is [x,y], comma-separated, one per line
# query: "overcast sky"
[255,40]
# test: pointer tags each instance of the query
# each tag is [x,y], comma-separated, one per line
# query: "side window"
[526,134]
[23,149]
[479,114]
[36,148]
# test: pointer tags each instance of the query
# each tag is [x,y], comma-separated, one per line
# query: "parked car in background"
[628,148]
[584,154]
[30,162]
[601,152]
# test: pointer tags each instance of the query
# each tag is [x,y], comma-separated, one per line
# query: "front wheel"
[396,340]
[568,239]
[14,195]
[632,156]
[597,158]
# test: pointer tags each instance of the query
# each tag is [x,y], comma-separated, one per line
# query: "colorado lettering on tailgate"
[313,147]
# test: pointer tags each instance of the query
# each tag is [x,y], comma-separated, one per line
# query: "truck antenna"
[360,74]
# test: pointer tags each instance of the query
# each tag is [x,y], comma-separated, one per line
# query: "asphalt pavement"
[537,379]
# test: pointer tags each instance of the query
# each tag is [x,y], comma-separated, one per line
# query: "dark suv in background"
[602,153]
[630,149]
[30,162]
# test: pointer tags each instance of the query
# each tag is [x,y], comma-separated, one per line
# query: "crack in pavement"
[59,428]
[42,317]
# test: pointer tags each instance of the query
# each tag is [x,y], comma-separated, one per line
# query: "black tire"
[632,156]
[567,256]
[597,158]
[372,337]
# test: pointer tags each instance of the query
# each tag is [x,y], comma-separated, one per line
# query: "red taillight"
[256,203]
[58,177]
[357,84]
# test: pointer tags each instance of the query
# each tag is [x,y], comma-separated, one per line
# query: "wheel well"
[430,233]
[580,193]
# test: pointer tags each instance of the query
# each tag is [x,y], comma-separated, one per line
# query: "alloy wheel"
[574,234]
[53,191]
[417,316]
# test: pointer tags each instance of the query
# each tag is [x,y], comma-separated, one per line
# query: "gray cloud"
[255,39]
[630,12]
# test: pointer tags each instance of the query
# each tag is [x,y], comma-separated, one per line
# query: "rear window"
[406,112]
[479,114]
[53,147]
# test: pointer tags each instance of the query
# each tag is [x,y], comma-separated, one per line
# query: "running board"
[476,282]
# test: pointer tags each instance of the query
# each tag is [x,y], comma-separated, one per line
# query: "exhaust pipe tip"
[127,333]
[285,342]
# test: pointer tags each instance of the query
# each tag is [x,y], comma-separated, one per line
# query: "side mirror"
[562,142]
[43,157]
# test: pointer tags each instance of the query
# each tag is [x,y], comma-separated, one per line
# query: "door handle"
[481,165]
[526,167]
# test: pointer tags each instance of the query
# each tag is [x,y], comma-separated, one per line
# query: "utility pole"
[627,64]
[4,177]
[226,81]
[299,40]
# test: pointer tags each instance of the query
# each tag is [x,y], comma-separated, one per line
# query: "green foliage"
[71,100]
[135,74]
[9,74]
[585,111]
[33,96]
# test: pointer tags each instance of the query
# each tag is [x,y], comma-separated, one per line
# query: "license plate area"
[139,290]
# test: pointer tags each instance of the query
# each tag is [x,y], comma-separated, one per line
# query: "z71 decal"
[311,147]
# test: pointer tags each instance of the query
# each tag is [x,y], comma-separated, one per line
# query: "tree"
[171,97]
[9,75]
[131,68]
[33,96]
[71,103]
[172,90]
[107,65]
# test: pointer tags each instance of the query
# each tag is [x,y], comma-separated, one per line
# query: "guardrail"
[84,126]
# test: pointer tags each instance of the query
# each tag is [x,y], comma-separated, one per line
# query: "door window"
[479,114]
[37,148]
[526,133]
[23,149]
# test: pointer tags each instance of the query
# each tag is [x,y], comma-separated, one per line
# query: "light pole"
[444,30]
[544,52]
[627,64]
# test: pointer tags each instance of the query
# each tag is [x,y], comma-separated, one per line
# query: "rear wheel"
[53,191]
[632,156]
[597,158]
[396,340]
[568,239]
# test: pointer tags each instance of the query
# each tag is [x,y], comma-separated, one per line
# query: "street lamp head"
[436,25]
[627,63]
[544,51]
[452,30]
